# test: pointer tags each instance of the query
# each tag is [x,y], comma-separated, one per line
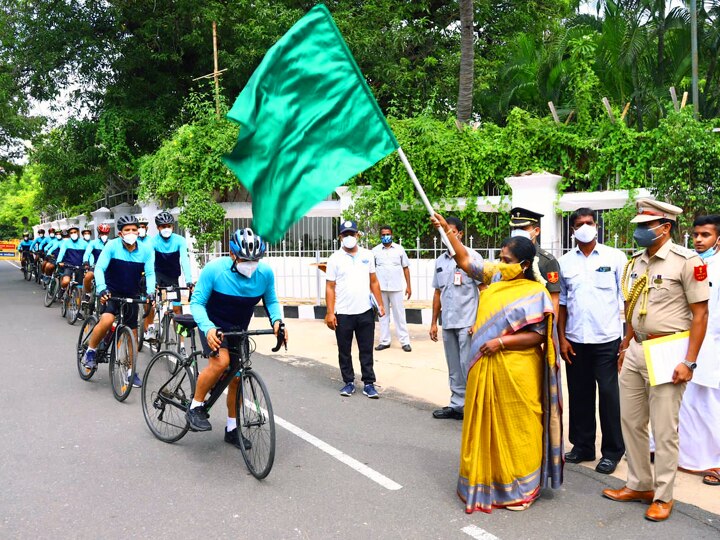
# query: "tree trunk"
[467,60]
[660,77]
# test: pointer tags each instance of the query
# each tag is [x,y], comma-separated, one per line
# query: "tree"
[467,59]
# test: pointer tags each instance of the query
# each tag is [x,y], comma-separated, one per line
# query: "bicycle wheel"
[27,270]
[141,329]
[256,423]
[73,309]
[51,292]
[64,304]
[170,340]
[85,330]
[166,398]
[123,358]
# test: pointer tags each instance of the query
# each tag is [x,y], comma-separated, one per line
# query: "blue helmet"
[245,244]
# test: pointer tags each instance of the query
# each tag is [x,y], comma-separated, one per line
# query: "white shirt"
[351,274]
[389,263]
[590,289]
[713,270]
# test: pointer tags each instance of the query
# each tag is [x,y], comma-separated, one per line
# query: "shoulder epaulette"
[637,253]
[683,251]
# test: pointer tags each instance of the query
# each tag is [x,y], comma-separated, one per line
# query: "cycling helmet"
[103,228]
[164,218]
[124,221]
[51,231]
[86,229]
[143,221]
[75,227]
[245,244]
[65,233]
[42,231]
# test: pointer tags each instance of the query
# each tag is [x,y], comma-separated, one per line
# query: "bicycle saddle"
[186,320]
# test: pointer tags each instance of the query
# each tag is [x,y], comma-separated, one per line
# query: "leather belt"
[640,337]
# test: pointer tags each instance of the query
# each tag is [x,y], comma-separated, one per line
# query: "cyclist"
[52,247]
[39,241]
[224,299]
[171,259]
[118,272]
[142,229]
[91,255]
[24,247]
[71,253]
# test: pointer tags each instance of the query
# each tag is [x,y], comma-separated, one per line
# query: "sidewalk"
[422,374]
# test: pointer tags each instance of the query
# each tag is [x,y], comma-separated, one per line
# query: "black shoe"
[606,466]
[407,348]
[573,456]
[232,438]
[382,347]
[448,413]
[198,419]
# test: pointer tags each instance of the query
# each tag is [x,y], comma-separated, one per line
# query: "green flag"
[308,123]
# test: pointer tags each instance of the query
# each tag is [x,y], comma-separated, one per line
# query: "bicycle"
[92,303]
[26,265]
[166,332]
[117,348]
[165,401]
[53,288]
[72,301]
[37,265]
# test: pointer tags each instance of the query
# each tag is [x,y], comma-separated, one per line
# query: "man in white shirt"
[589,330]
[700,408]
[350,284]
[392,265]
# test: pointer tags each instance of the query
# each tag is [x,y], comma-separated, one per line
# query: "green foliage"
[17,200]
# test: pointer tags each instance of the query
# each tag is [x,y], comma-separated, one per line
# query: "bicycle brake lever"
[281,339]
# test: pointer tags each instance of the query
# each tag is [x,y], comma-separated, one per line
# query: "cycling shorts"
[68,272]
[223,345]
[130,311]
[163,280]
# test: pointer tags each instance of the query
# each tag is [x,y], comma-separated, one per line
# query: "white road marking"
[478,533]
[341,456]
[15,265]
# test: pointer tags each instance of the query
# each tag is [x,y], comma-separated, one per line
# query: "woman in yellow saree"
[512,431]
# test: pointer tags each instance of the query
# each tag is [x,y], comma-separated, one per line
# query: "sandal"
[714,474]
[520,507]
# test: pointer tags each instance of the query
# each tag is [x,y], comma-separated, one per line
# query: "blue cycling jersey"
[53,246]
[38,244]
[25,245]
[93,250]
[171,256]
[72,251]
[143,239]
[225,299]
[119,270]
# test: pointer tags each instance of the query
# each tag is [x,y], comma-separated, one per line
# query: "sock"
[194,404]
[231,423]
[91,349]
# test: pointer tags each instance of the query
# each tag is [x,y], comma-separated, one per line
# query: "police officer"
[524,222]
[666,292]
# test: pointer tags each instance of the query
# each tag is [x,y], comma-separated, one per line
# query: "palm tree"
[467,61]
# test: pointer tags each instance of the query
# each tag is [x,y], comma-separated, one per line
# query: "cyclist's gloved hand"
[276,328]
[214,338]
[61,264]
[104,296]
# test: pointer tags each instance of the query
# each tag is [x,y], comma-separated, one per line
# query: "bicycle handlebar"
[244,333]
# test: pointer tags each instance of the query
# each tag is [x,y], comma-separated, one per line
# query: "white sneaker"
[150,334]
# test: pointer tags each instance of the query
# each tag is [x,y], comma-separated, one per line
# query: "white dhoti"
[700,428]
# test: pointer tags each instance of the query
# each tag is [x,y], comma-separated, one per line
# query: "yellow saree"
[512,432]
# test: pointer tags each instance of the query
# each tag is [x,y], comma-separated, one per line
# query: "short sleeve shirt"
[389,264]
[550,270]
[590,289]
[458,295]
[677,277]
[351,274]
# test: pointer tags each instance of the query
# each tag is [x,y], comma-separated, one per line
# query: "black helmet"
[164,218]
[124,221]
[41,231]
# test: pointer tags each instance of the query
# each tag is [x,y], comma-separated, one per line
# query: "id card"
[457,280]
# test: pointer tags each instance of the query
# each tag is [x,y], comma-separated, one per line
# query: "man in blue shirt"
[92,254]
[71,254]
[589,329]
[171,260]
[24,246]
[224,300]
[39,241]
[117,273]
[52,246]
[142,230]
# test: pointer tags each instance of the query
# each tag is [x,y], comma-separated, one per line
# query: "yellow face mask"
[509,271]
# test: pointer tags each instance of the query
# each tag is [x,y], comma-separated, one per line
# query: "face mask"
[142,232]
[129,238]
[709,252]
[585,233]
[58,237]
[103,238]
[386,238]
[520,232]
[509,271]
[86,237]
[41,235]
[645,236]
[74,237]
[349,242]
[25,238]
[246,268]
[165,233]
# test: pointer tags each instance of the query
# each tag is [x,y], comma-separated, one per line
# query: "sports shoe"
[369,391]
[198,419]
[407,347]
[137,381]
[89,359]
[150,334]
[182,352]
[348,389]
[232,438]
[85,300]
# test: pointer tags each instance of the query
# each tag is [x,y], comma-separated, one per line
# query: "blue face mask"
[708,253]
[645,236]
[386,238]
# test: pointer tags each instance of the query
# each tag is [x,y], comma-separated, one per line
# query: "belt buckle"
[640,336]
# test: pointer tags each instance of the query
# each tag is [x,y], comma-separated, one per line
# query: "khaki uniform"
[549,270]
[676,278]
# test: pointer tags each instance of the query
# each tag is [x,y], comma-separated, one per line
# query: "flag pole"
[426,202]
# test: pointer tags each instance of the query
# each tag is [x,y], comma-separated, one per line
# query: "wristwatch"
[690,365]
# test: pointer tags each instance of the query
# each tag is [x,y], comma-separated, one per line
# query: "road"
[75,463]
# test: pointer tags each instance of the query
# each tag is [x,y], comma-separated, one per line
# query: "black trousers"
[595,365]
[363,327]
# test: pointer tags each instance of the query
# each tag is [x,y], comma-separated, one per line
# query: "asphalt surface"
[75,463]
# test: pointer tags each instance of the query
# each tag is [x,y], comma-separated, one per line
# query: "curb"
[412,316]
